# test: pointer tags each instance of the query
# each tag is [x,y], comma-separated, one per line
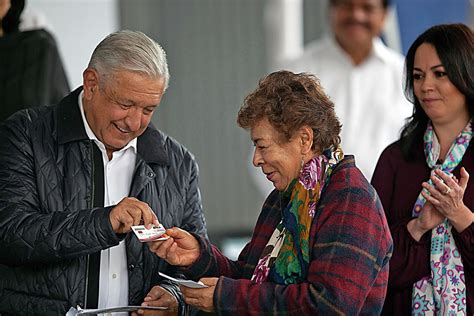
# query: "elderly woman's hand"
[201,298]
[181,249]
[446,195]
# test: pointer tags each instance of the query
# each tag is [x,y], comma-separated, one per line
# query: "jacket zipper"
[90,206]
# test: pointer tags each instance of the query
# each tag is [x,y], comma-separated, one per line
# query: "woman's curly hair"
[290,101]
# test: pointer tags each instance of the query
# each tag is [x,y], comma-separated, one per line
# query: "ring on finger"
[447,191]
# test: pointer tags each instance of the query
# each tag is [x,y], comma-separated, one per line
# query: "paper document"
[188,283]
[81,311]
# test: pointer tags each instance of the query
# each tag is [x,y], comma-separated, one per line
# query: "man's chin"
[116,146]
[359,36]
[355,40]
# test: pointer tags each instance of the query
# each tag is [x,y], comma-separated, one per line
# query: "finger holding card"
[181,249]
[130,212]
[158,296]
[202,298]
[148,216]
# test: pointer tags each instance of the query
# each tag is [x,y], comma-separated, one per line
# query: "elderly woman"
[321,243]
[422,180]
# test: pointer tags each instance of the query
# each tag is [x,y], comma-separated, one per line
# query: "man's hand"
[158,296]
[181,249]
[201,298]
[130,212]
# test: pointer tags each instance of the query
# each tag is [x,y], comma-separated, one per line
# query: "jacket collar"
[150,145]
[68,119]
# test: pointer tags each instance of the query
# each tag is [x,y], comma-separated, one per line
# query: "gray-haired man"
[76,176]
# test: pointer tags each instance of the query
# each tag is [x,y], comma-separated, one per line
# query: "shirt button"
[114,276]
[131,267]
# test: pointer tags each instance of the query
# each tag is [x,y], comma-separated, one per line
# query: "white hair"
[130,51]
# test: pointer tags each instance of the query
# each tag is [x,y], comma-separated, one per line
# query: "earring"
[302,165]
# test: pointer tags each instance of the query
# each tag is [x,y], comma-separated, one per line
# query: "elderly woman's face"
[280,161]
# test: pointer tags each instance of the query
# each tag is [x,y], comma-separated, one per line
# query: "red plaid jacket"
[350,249]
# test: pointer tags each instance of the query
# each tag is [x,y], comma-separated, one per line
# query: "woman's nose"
[427,84]
[257,158]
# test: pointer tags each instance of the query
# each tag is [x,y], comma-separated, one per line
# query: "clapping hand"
[429,218]
[446,195]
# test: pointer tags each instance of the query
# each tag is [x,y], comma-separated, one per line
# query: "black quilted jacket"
[47,225]
[31,71]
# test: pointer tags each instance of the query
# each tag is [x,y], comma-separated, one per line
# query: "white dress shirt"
[118,172]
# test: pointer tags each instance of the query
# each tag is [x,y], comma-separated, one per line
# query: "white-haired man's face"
[120,109]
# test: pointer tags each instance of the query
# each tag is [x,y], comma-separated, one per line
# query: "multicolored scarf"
[444,292]
[286,256]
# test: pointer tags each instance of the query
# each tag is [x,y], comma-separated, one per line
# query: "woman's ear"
[306,138]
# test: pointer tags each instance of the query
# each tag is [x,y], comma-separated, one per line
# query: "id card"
[157,232]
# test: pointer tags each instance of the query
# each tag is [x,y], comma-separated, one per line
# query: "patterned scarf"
[444,292]
[286,255]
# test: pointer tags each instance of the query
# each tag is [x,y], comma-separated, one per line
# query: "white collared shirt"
[368,98]
[118,173]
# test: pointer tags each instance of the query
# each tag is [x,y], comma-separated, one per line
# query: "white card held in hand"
[188,283]
[157,232]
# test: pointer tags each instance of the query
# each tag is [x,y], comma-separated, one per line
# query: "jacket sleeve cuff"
[174,290]
[466,237]
[109,237]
